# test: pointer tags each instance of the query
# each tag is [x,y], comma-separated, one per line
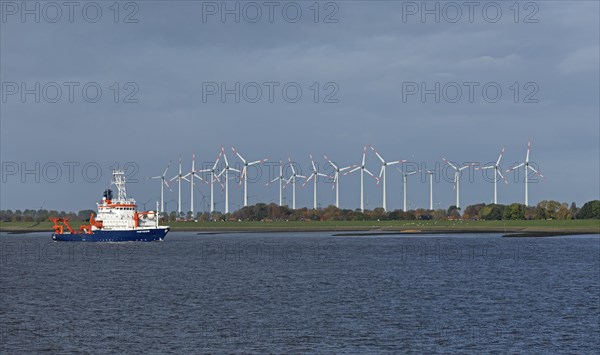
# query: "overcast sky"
[370,61]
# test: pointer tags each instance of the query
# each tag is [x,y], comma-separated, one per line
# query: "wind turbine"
[192,174]
[527,166]
[163,183]
[292,179]
[430,173]
[179,177]
[213,178]
[362,169]
[281,178]
[384,164]
[336,179]
[457,172]
[404,176]
[226,171]
[315,174]
[245,173]
[497,171]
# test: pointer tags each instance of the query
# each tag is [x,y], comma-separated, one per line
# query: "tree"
[514,211]
[590,210]
[550,208]
[439,215]
[492,212]
[474,210]
[530,212]
[453,212]
[574,210]
[563,212]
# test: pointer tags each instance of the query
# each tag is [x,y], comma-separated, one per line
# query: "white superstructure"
[121,213]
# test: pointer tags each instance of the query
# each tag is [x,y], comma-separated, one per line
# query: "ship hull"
[136,235]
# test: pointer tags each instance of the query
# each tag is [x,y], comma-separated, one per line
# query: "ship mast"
[118,179]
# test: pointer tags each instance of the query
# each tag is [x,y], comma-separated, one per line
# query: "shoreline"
[511,232]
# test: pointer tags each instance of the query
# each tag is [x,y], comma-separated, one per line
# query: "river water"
[301,293]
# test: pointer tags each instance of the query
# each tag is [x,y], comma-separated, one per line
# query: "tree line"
[547,209]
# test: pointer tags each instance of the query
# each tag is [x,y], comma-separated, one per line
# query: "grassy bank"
[567,226]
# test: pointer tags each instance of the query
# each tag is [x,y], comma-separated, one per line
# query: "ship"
[117,220]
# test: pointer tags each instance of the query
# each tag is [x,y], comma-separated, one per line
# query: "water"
[300,293]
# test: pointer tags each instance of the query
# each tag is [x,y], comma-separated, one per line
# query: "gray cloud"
[368,54]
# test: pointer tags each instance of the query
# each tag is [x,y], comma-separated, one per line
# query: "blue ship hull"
[138,235]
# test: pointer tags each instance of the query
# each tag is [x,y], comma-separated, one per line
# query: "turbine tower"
[213,178]
[280,178]
[292,179]
[163,183]
[497,171]
[336,179]
[245,173]
[457,172]
[192,174]
[382,174]
[315,174]
[430,173]
[362,169]
[179,177]
[226,171]
[527,166]
[404,176]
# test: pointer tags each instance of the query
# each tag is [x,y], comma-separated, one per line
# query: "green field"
[571,226]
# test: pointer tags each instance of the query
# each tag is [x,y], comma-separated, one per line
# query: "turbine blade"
[216,161]
[224,156]
[364,155]
[500,156]
[528,150]
[242,174]
[312,162]
[330,162]
[515,167]
[200,178]
[376,153]
[449,163]
[466,166]
[309,178]
[257,162]
[238,154]
[168,165]
[502,176]
[292,165]
[396,162]
[351,171]
[535,171]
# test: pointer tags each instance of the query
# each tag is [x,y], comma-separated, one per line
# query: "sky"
[91,86]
